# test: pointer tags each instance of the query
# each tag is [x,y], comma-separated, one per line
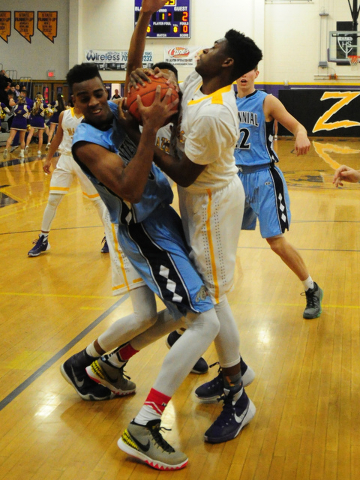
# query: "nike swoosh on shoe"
[78,384]
[145,448]
[240,419]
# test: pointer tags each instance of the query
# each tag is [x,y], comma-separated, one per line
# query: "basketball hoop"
[354,60]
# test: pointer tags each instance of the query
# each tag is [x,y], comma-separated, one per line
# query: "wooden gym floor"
[307,386]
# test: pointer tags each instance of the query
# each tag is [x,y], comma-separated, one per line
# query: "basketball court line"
[304,249]
[53,229]
[16,392]
[53,295]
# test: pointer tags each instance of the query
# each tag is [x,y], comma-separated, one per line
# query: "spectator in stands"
[29,102]
[4,79]
[5,89]
[13,90]
[17,89]
[116,95]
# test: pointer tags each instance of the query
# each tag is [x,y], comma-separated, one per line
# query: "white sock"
[91,350]
[115,361]
[308,283]
[146,414]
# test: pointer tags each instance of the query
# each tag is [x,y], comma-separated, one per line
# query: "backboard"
[342,44]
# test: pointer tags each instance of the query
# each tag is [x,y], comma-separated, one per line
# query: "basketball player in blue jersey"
[210,194]
[267,197]
[138,198]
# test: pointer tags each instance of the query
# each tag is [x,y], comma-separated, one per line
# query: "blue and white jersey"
[255,144]
[157,190]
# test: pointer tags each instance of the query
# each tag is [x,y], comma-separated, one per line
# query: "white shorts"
[63,176]
[212,223]
[124,275]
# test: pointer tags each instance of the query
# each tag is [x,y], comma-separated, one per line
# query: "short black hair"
[244,51]
[166,66]
[82,72]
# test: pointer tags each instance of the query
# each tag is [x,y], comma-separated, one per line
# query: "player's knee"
[207,321]
[213,324]
[54,199]
[276,244]
[145,321]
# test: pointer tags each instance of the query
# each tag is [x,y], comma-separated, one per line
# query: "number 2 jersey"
[255,144]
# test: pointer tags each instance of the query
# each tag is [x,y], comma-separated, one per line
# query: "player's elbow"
[136,198]
[184,182]
[186,178]
[130,195]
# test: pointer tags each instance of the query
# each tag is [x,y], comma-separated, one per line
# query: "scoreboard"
[171,21]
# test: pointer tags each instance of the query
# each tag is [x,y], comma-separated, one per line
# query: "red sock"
[125,352]
[153,407]
[157,401]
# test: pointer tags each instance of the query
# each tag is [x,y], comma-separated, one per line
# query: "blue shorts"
[157,249]
[266,198]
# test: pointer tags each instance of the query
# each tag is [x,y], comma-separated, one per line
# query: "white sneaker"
[47,146]
[21,154]
[39,153]
[5,154]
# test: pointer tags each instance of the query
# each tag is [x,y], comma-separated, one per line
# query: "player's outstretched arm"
[346,174]
[274,109]
[137,42]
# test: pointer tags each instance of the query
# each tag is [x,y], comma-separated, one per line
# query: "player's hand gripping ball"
[147,95]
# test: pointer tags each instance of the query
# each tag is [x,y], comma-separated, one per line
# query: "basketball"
[147,94]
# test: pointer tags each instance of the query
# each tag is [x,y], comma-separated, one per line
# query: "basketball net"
[354,61]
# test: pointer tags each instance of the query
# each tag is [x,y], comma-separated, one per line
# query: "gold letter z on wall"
[346,97]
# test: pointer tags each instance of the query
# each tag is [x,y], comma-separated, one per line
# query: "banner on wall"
[24,24]
[333,113]
[182,56]
[114,59]
[5,25]
[47,24]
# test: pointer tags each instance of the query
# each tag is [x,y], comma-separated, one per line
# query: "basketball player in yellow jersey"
[210,193]
[62,178]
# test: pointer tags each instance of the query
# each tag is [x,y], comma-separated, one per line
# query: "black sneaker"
[105,246]
[210,392]
[200,366]
[237,412]
[73,370]
[40,245]
[313,302]
[146,443]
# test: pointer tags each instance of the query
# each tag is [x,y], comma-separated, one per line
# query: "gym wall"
[291,33]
